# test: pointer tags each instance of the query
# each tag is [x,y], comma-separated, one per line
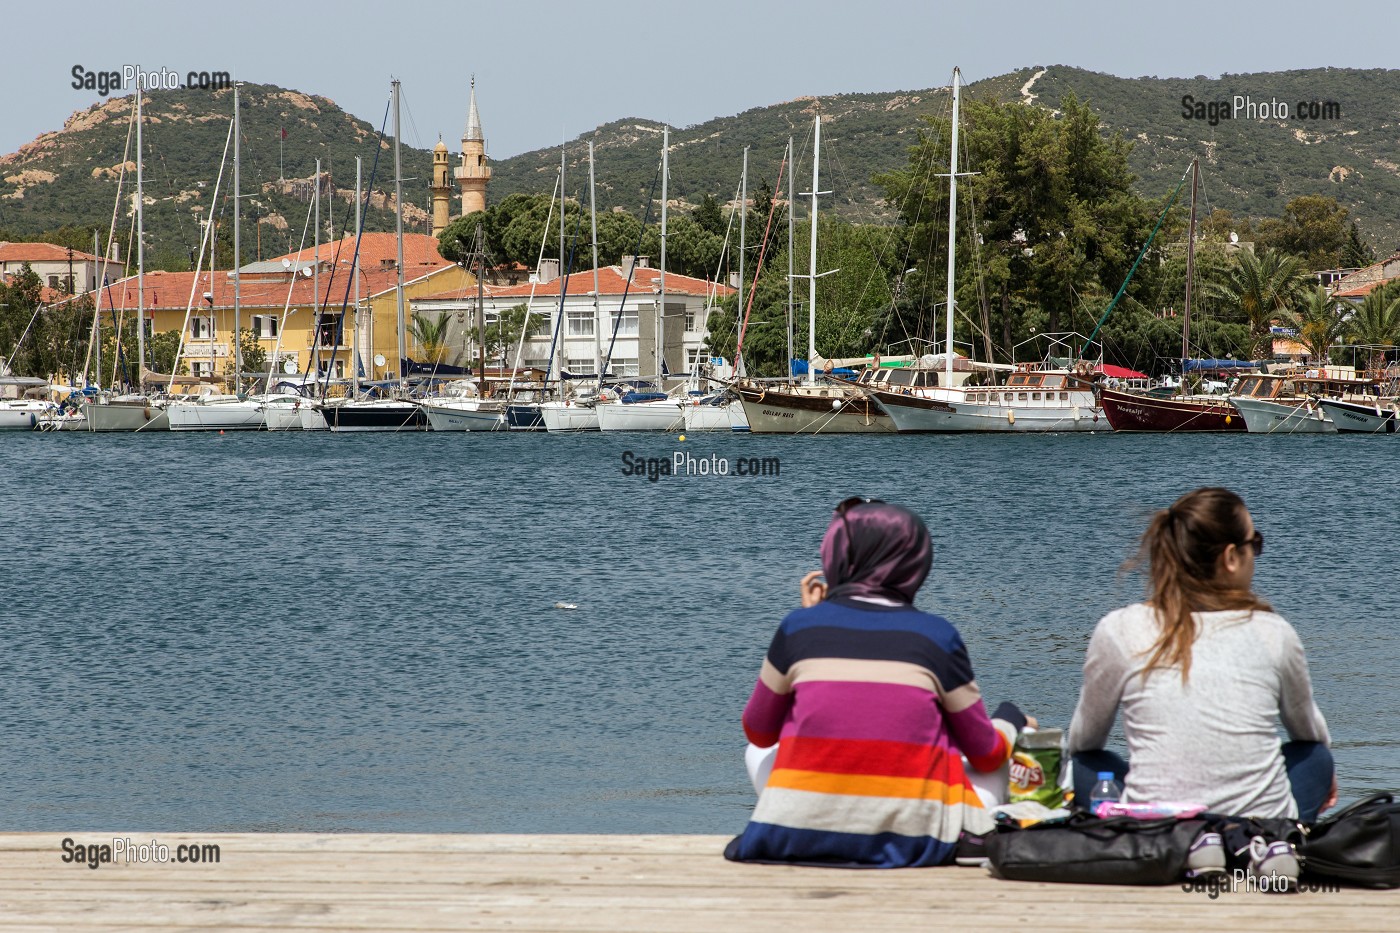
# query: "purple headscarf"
[888,552]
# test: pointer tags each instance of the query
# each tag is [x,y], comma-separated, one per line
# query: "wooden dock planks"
[587,883]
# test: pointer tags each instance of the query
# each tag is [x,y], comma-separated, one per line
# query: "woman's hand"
[1331,800]
[813,589]
[1032,721]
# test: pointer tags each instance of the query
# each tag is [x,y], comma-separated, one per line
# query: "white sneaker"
[1273,860]
[1206,856]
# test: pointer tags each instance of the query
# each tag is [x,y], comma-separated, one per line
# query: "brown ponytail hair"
[1181,547]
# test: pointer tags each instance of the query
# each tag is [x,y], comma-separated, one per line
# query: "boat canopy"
[1212,366]
[799,368]
[1118,372]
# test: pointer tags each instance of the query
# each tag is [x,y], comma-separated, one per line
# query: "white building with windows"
[624,316]
[62,270]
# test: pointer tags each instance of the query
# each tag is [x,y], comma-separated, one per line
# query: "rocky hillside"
[1251,166]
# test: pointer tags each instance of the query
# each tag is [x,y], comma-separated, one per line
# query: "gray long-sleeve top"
[1212,740]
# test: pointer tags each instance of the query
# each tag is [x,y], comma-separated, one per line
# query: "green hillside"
[68,179]
[1250,167]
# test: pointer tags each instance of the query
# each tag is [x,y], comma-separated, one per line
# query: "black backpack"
[1359,843]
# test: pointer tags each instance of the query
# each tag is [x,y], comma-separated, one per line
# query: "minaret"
[473,174]
[441,188]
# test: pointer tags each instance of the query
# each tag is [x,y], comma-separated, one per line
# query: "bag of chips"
[1035,768]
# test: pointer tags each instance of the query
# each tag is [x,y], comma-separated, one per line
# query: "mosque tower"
[473,174]
[441,187]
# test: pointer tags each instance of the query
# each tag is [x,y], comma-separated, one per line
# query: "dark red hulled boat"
[1129,411]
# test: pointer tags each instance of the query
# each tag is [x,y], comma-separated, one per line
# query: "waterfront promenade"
[582,883]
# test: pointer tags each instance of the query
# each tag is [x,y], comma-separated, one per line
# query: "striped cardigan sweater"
[870,706]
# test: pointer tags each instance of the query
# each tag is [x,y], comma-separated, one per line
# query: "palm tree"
[431,335]
[1376,322]
[1262,285]
[1317,323]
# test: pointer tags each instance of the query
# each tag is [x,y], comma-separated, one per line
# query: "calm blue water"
[342,632]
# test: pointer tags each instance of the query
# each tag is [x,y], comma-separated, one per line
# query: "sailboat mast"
[141,248]
[743,235]
[1190,273]
[812,259]
[398,230]
[661,304]
[481,311]
[792,175]
[597,324]
[316,260]
[952,236]
[558,327]
[355,375]
[237,243]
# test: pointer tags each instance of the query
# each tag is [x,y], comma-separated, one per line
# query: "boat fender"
[836,403]
[32,420]
[1010,416]
[147,412]
[1228,419]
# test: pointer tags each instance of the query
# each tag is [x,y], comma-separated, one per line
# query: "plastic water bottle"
[1107,790]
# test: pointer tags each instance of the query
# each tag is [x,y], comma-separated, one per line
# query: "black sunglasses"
[1256,542]
[844,506]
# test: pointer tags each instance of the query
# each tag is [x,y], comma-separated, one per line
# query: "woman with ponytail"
[1203,670]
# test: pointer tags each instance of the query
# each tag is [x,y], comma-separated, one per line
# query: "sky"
[548,70]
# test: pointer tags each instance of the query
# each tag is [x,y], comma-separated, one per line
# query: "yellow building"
[277,303]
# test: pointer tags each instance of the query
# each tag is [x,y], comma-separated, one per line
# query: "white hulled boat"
[1376,416]
[569,415]
[215,413]
[24,414]
[640,414]
[448,413]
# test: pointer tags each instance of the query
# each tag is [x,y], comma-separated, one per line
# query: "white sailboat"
[639,411]
[132,411]
[1032,400]
[574,413]
[219,412]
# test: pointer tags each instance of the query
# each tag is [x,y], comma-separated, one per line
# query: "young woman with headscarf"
[872,706]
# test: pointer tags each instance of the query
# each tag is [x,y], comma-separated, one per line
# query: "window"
[201,368]
[1064,396]
[199,328]
[265,325]
[539,362]
[328,330]
[539,325]
[690,314]
[581,367]
[53,281]
[1035,396]
[1020,396]
[628,326]
[624,366]
[580,323]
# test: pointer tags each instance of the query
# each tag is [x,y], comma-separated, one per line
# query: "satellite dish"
[379,359]
[286,263]
[1234,237]
[306,271]
[290,367]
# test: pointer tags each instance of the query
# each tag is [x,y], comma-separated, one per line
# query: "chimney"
[733,280]
[114,251]
[548,271]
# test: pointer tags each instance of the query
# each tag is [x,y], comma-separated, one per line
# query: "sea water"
[360,632]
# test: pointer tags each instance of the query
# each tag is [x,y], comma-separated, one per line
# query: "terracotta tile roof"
[420,252]
[611,281]
[170,291]
[1358,291]
[41,252]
